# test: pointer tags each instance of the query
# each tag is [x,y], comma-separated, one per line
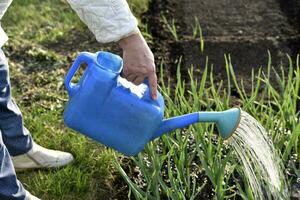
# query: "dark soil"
[245,29]
[78,41]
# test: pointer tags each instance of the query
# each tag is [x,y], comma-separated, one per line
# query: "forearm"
[132,40]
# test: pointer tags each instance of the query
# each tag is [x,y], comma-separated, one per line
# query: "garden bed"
[245,30]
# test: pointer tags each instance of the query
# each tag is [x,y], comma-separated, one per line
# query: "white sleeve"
[4,4]
[109,20]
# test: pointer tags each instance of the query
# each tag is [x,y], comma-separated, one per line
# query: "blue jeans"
[15,139]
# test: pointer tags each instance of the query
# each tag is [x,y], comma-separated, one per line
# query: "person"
[110,21]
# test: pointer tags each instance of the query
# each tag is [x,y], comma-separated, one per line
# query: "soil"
[245,29]
[78,41]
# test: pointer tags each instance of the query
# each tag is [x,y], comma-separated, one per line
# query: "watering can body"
[109,109]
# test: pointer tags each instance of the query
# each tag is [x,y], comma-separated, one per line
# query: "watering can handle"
[83,57]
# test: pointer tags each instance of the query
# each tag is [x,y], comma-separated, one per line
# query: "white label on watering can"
[138,90]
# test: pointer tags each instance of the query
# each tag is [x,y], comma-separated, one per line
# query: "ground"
[45,41]
[246,30]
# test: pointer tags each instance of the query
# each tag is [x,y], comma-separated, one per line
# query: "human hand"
[138,62]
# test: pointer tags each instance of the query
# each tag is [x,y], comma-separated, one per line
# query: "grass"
[171,27]
[189,164]
[49,20]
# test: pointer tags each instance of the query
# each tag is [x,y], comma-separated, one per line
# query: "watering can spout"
[173,123]
[226,121]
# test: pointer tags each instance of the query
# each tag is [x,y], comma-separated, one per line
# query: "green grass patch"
[40,21]
[37,74]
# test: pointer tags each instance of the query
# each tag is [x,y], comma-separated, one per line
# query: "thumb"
[153,86]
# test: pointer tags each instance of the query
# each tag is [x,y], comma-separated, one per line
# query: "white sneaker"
[40,157]
[30,196]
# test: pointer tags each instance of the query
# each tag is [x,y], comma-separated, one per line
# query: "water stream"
[262,165]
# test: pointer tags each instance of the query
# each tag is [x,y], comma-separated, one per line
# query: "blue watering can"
[115,112]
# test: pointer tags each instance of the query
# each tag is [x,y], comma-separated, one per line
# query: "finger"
[138,80]
[131,77]
[153,85]
[124,73]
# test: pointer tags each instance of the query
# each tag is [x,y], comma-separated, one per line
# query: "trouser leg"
[16,137]
[10,187]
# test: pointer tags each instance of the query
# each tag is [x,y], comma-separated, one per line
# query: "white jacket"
[109,20]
